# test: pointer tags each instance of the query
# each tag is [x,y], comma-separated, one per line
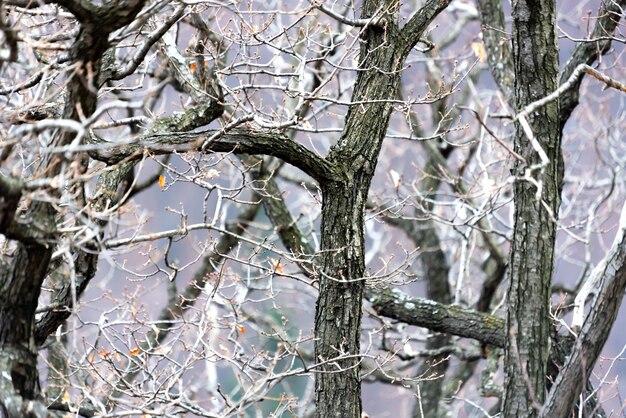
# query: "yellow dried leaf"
[278,268]
[161,181]
[192,67]
[479,50]
[241,329]
[135,351]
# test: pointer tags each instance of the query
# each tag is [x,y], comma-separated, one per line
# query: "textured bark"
[451,319]
[595,331]
[20,285]
[338,311]
[497,46]
[489,330]
[532,254]
[22,276]
[240,141]
[609,16]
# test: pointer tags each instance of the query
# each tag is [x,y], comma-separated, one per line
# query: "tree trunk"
[20,285]
[532,253]
[338,311]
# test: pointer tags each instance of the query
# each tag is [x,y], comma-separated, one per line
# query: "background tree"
[302,155]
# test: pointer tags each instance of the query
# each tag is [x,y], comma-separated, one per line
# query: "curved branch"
[588,53]
[238,141]
[412,32]
[497,45]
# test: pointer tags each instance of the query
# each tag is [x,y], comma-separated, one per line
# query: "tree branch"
[595,330]
[10,194]
[238,141]
[571,84]
[588,52]
[451,319]
[497,45]
[413,30]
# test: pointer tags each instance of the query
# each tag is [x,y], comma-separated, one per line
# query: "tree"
[299,117]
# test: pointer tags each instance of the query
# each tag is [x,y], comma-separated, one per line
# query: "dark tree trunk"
[532,254]
[22,275]
[338,310]
[20,285]
[383,51]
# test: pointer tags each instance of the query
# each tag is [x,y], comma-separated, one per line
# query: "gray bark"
[531,262]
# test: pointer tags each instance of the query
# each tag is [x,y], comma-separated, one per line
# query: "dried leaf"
[135,351]
[278,268]
[395,178]
[241,329]
[479,50]
[161,181]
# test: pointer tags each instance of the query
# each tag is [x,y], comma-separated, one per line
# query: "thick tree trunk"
[338,310]
[532,253]
[384,48]
[22,275]
[20,285]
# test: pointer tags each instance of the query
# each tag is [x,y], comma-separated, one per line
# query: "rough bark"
[595,331]
[20,285]
[450,319]
[239,141]
[338,311]
[24,273]
[532,253]
[489,330]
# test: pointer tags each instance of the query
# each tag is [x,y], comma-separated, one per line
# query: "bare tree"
[302,154]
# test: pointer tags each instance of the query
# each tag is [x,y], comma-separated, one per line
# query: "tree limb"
[497,45]
[413,30]
[238,141]
[595,330]
[588,52]
[450,319]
